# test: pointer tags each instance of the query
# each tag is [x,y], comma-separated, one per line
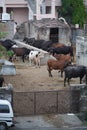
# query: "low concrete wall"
[35,103]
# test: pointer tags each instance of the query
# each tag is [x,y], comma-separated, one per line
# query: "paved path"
[49,128]
[62,122]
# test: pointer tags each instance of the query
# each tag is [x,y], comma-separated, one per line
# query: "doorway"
[54,34]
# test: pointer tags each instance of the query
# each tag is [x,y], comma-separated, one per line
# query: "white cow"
[34,57]
[14,46]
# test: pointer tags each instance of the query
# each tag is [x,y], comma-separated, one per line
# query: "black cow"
[29,41]
[41,44]
[33,42]
[75,71]
[46,45]
[1,81]
[62,50]
[38,43]
[8,43]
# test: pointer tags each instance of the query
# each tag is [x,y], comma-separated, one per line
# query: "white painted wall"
[20,15]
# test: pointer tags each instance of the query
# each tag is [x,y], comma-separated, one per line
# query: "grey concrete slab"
[49,128]
[54,122]
[7,68]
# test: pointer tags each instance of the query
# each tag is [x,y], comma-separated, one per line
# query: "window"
[4,109]
[48,9]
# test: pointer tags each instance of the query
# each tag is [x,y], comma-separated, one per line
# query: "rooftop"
[49,23]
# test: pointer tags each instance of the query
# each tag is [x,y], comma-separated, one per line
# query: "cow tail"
[86,74]
[72,53]
[47,66]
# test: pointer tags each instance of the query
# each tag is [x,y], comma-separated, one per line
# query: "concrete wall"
[57,2]
[34,103]
[20,15]
[41,33]
[81,51]
[44,33]
[64,36]
[1,3]
[7,93]
[7,28]
[73,100]
[81,91]
[12,3]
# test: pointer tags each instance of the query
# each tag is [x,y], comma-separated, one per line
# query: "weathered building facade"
[24,10]
[49,29]
[39,19]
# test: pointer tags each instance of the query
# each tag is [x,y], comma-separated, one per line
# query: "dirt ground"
[35,79]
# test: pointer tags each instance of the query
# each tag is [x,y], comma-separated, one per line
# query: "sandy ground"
[35,79]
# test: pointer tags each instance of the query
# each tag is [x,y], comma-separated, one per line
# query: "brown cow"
[20,52]
[56,45]
[63,57]
[56,65]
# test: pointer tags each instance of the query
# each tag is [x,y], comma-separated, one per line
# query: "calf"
[75,71]
[1,81]
[56,65]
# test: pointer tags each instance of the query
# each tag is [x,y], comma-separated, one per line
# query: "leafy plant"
[3,34]
[10,53]
[2,51]
[5,53]
[2,48]
[73,11]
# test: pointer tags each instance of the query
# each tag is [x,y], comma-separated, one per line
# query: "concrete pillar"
[38,9]
[53,9]
[4,7]
[30,14]
[43,6]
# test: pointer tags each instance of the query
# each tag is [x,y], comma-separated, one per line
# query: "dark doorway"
[54,34]
[1,10]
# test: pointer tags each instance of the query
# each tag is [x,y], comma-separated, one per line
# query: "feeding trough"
[7,68]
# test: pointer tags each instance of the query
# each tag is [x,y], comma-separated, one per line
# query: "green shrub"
[5,53]
[3,34]
[2,48]
[2,51]
[10,53]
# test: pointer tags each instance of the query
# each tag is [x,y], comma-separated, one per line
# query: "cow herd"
[63,54]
